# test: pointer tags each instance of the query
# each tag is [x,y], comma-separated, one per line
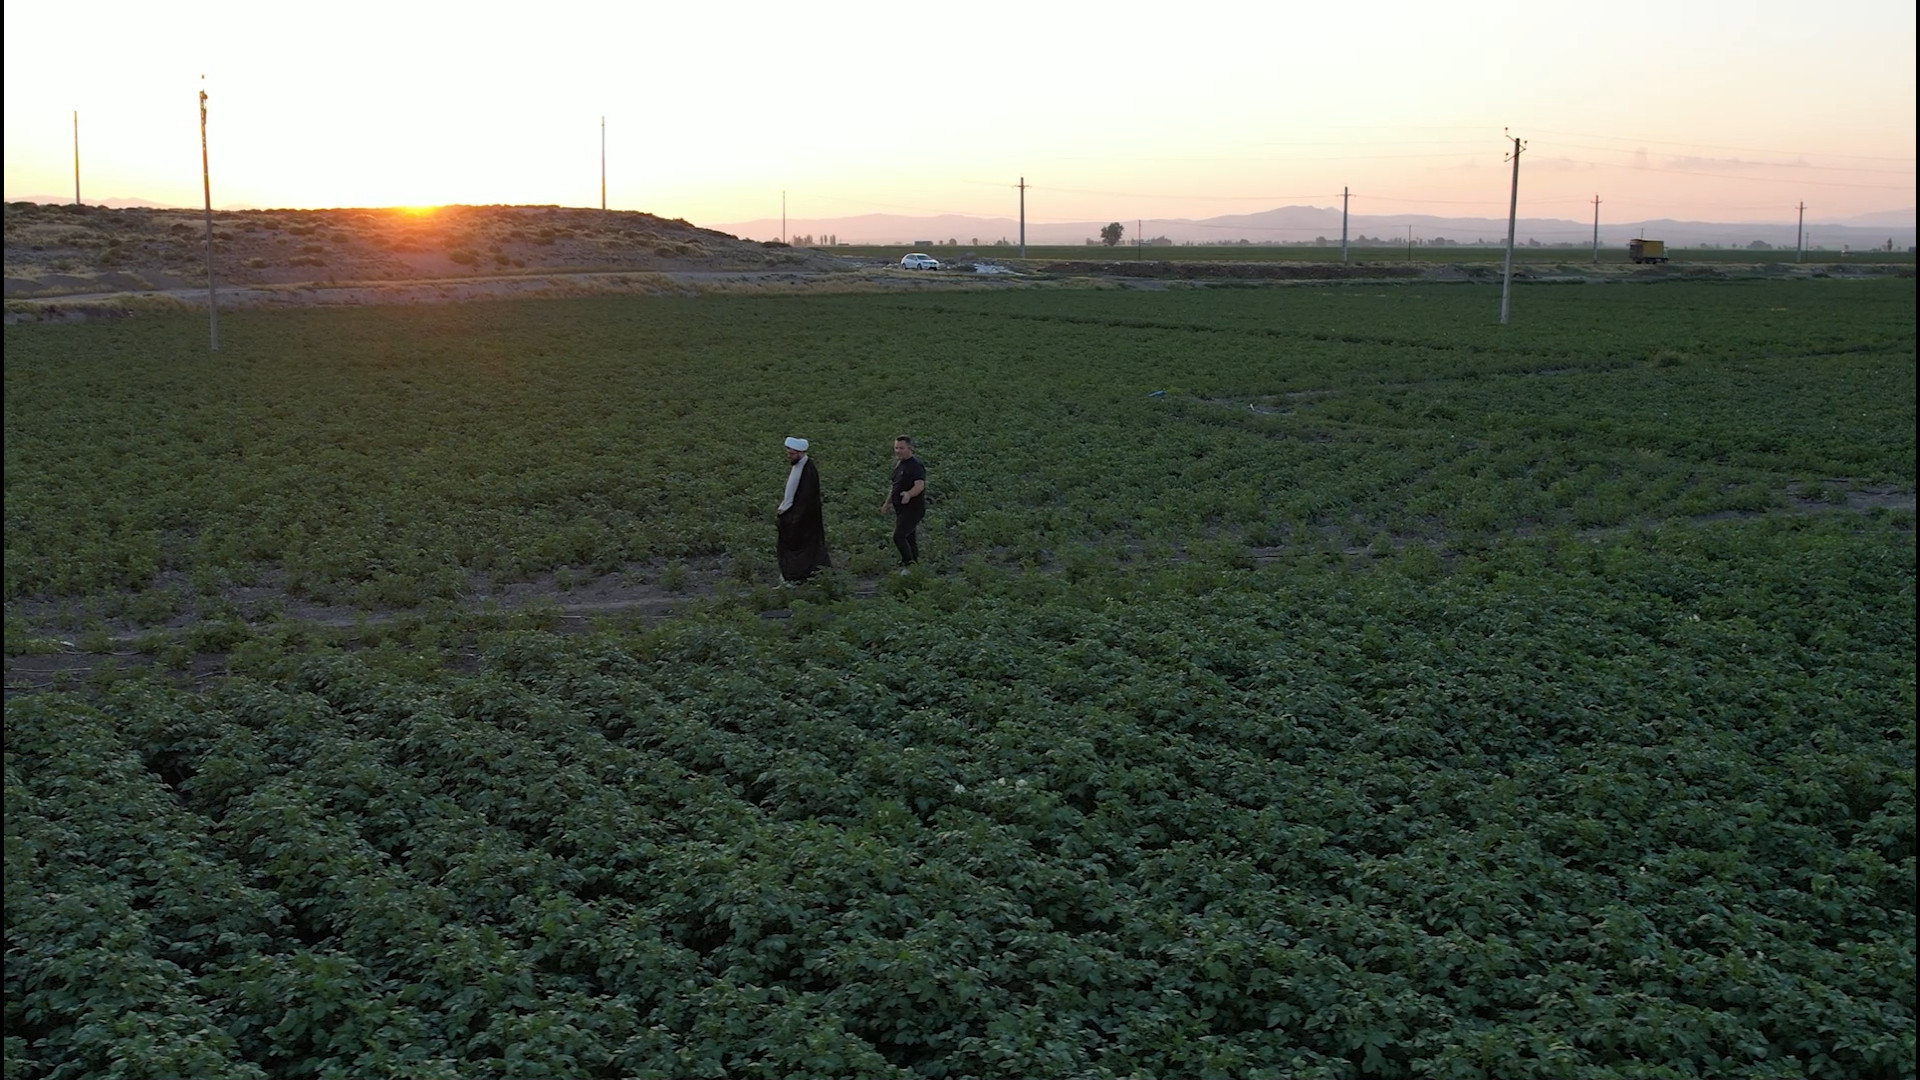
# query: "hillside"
[63,251]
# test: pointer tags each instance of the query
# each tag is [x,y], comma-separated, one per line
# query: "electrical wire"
[1754,164]
[1709,146]
[1729,176]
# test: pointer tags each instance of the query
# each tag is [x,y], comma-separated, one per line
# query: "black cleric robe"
[802,544]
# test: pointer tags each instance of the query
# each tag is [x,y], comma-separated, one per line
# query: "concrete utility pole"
[1799,234]
[1023,217]
[206,184]
[1513,213]
[76,158]
[603,163]
[1344,193]
[1596,230]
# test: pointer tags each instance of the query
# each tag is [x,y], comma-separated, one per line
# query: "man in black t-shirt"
[908,501]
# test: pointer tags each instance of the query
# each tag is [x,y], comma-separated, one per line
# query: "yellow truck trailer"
[1647,251]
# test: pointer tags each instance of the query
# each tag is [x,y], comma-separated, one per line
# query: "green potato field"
[1301,682]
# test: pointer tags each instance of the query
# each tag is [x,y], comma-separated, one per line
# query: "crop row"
[392,457]
[1571,810]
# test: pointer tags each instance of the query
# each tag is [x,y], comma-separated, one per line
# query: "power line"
[895,206]
[1757,164]
[1267,157]
[1194,198]
[1462,202]
[1730,176]
[1435,202]
[1710,146]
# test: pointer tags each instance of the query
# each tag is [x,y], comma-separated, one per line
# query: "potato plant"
[1310,683]
[1572,810]
[388,458]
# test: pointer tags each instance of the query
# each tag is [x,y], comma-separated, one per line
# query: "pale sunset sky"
[1695,109]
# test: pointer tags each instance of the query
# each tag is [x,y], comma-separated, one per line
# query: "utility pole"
[603,163]
[206,184]
[1344,194]
[1596,230]
[1513,213]
[1023,217]
[1409,243]
[1799,234]
[76,158]
[783,217]
[1139,240]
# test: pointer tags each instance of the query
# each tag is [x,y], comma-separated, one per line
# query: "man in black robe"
[802,545]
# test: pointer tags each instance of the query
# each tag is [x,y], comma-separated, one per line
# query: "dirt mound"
[62,251]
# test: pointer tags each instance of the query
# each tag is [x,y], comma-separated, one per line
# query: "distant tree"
[1759,245]
[1110,235]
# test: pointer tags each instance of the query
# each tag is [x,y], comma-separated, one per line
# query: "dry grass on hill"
[69,251]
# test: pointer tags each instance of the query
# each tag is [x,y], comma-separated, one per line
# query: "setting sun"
[1234,113]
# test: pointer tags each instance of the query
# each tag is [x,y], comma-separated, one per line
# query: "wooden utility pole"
[1799,235]
[1596,230]
[1344,194]
[1513,213]
[76,158]
[1023,217]
[206,184]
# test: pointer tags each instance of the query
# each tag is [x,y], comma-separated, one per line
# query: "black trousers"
[906,522]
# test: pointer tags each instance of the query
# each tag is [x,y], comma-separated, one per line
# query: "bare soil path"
[632,596]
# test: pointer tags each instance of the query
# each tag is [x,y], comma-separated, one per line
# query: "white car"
[917,261]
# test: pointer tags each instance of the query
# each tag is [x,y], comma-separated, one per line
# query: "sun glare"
[418,211]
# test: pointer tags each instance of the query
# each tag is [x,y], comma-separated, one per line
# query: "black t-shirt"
[905,475]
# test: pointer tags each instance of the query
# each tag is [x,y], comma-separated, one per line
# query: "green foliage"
[389,457]
[1573,810]
[1493,761]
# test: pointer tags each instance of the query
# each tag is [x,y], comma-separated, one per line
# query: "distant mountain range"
[1293,224]
[1314,224]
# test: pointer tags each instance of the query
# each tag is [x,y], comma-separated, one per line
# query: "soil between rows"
[634,595]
